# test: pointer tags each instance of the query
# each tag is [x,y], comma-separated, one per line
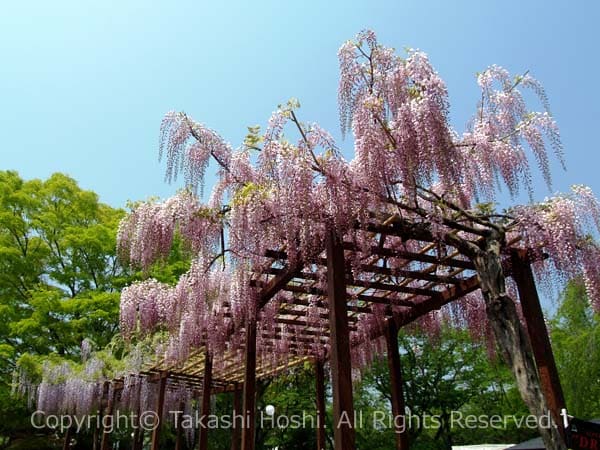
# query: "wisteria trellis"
[409,168]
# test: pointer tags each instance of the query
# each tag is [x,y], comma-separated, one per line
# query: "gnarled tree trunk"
[512,337]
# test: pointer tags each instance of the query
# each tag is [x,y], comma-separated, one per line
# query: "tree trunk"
[512,338]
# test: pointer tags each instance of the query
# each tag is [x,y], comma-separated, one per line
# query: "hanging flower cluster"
[80,390]
[495,145]
[563,226]
[146,235]
[189,146]
[68,389]
[190,311]
[398,111]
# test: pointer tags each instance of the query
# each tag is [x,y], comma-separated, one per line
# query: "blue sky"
[84,84]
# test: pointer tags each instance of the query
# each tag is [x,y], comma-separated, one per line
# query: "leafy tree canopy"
[576,343]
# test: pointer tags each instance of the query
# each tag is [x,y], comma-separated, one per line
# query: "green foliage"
[17,421]
[57,272]
[253,139]
[249,193]
[36,443]
[292,395]
[57,243]
[575,333]
[485,209]
[442,374]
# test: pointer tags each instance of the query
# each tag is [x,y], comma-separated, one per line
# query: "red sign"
[583,435]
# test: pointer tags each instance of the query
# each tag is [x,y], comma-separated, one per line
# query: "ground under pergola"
[409,283]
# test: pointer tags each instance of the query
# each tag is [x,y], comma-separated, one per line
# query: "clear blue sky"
[84,84]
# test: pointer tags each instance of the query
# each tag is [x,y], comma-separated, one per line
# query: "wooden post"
[249,395]
[320,404]
[138,432]
[237,411]
[95,437]
[205,411]
[179,428]
[160,403]
[398,407]
[139,440]
[67,441]
[104,444]
[341,367]
[538,334]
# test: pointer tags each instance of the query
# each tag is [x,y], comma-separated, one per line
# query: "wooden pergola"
[410,281]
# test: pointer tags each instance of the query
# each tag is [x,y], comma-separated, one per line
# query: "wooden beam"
[181,376]
[249,400]
[538,334]
[302,323]
[312,290]
[373,268]
[293,338]
[205,411]
[160,403]
[235,372]
[392,287]
[305,332]
[319,304]
[266,371]
[412,274]
[343,408]
[275,285]
[455,292]
[386,300]
[396,385]
[320,404]
[304,313]
[394,253]
[411,256]
[396,226]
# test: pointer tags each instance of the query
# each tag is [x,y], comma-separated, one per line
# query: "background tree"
[576,343]
[58,275]
[446,373]
[58,265]
[292,395]
[441,374]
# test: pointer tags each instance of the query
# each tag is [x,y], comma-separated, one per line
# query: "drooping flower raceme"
[564,226]
[146,235]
